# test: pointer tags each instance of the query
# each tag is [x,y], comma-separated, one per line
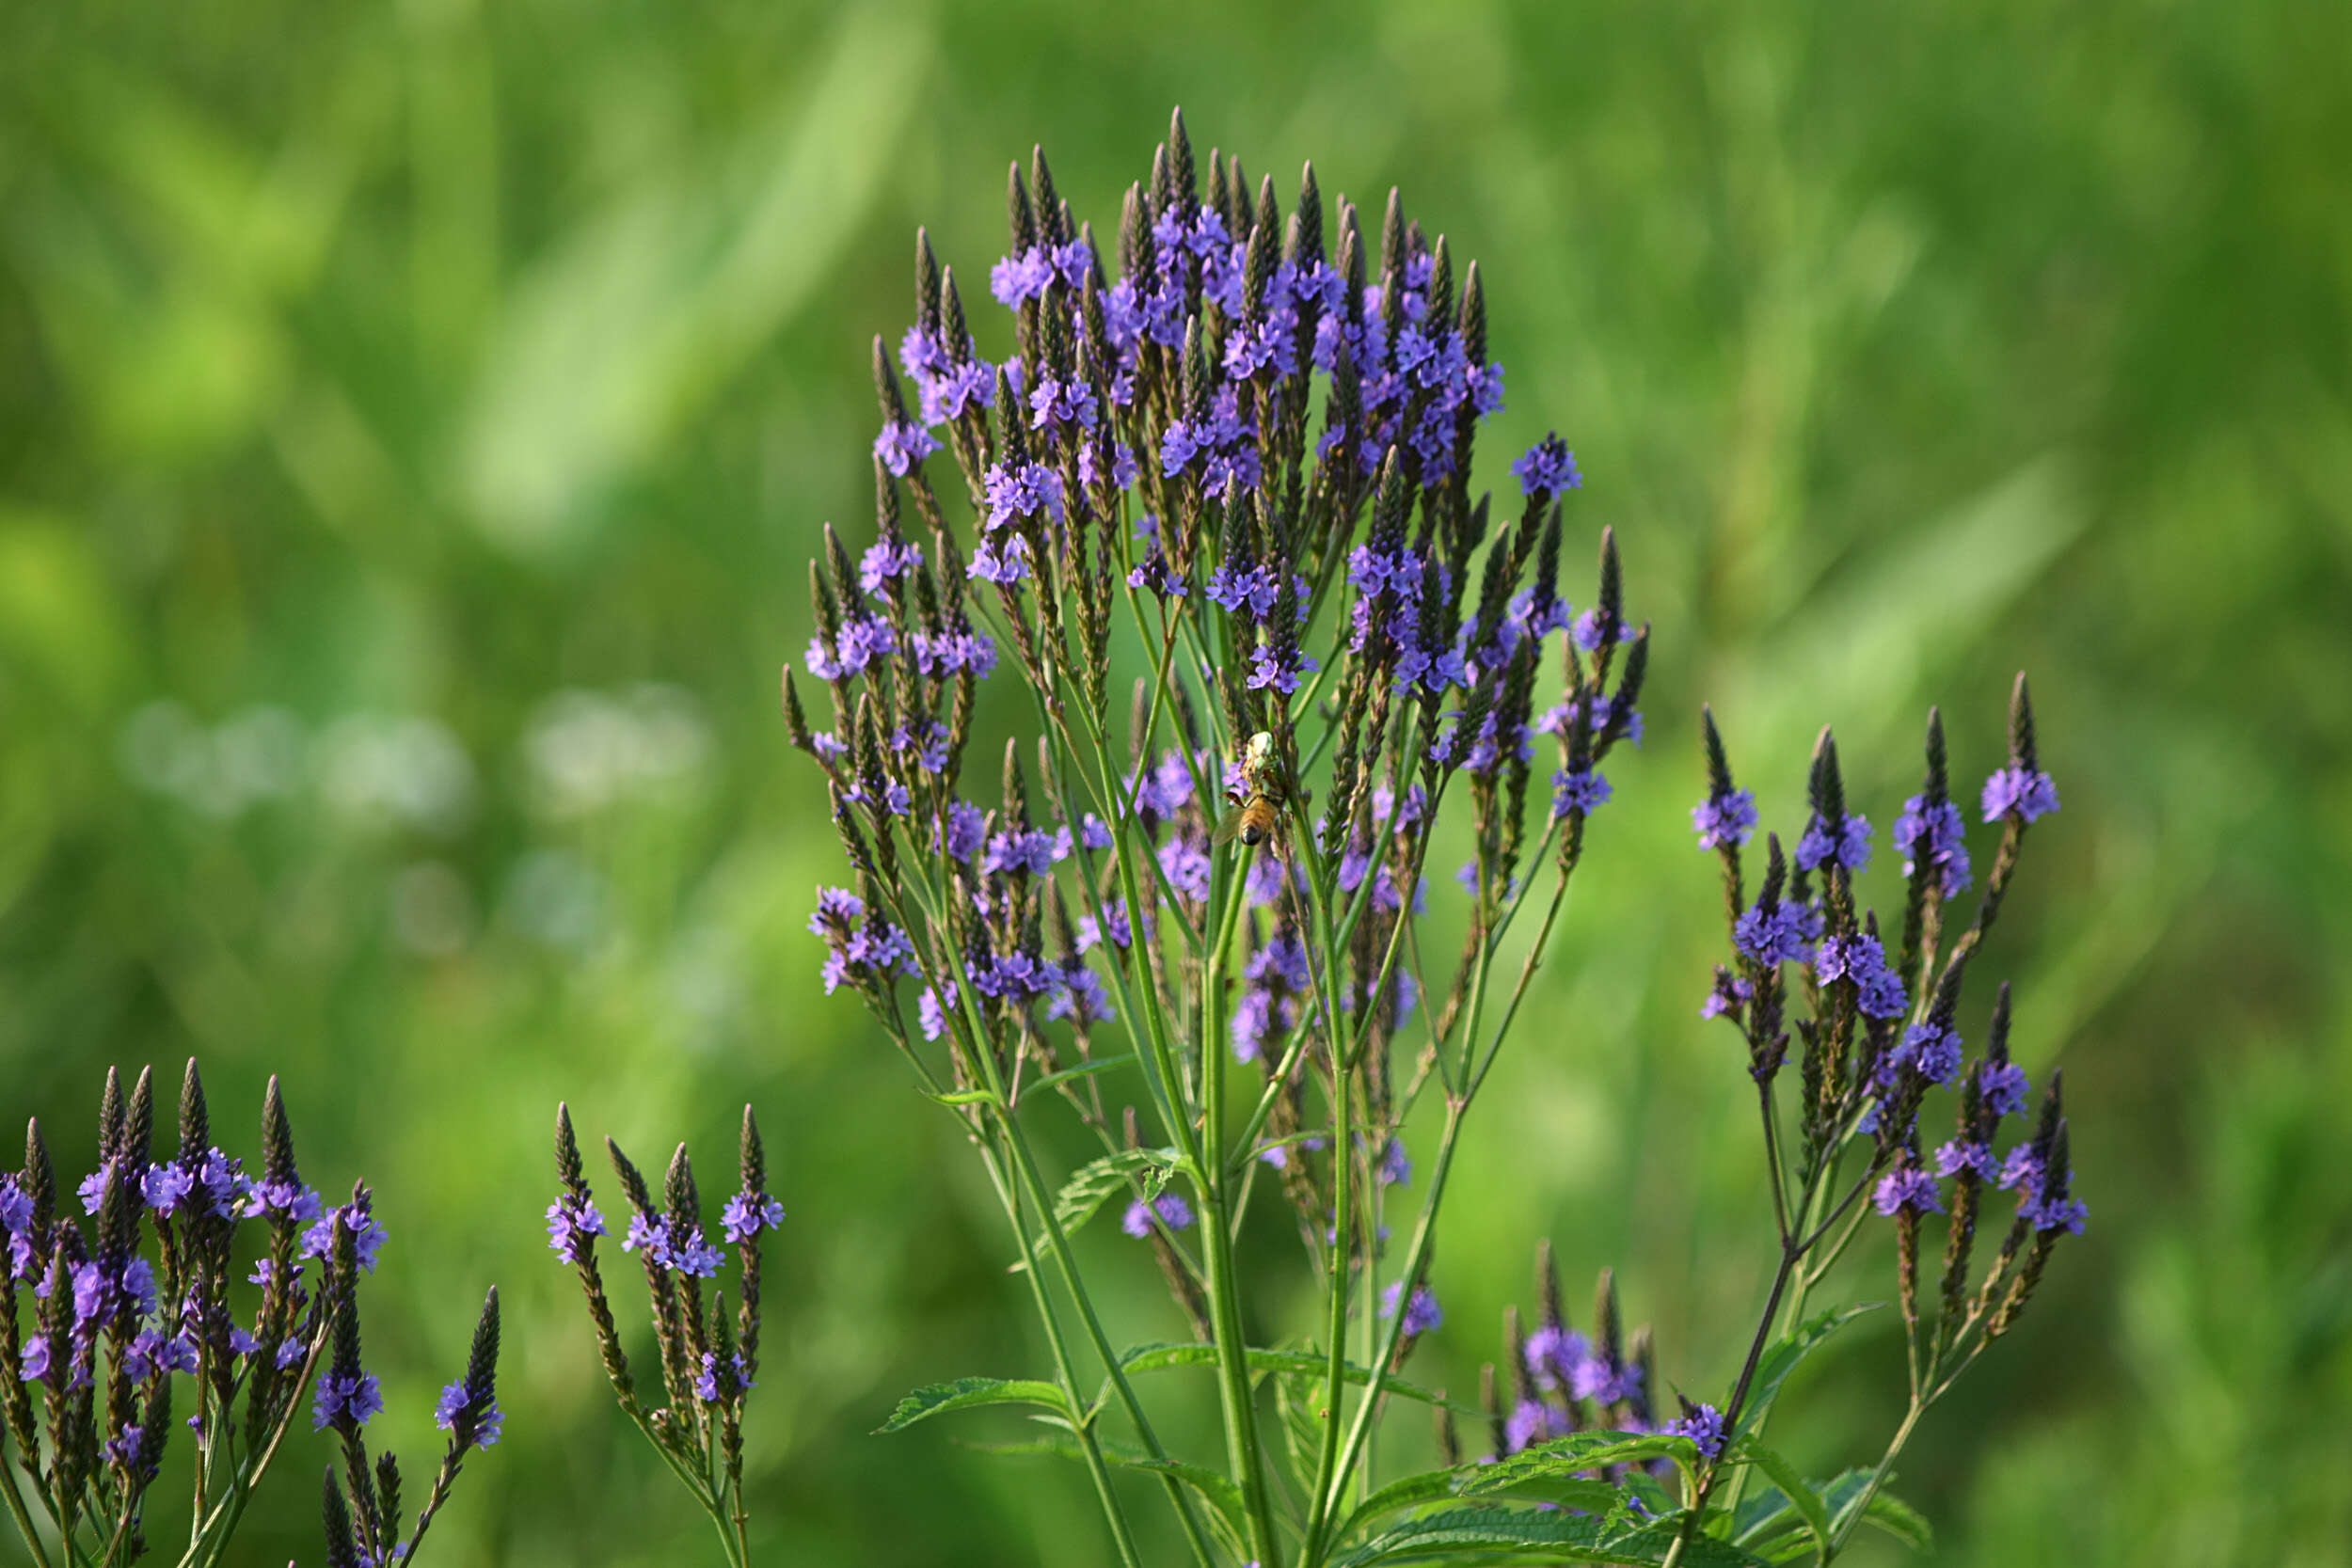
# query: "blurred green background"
[415,420]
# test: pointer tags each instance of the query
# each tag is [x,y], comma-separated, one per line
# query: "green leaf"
[1224,1498]
[966,1392]
[1582,1450]
[1886,1511]
[1084,1069]
[1313,1364]
[967,1097]
[1561,1538]
[1093,1183]
[1294,1399]
[1792,1485]
[1782,1359]
[1428,1486]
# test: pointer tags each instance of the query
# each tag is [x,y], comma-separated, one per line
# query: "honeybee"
[1259,818]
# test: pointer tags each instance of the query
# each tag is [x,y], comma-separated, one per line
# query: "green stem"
[16,1508]
[1216,1234]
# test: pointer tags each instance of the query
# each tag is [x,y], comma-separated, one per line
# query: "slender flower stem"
[16,1508]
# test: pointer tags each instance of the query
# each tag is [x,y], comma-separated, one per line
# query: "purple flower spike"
[1907,1188]
[749,1214]
[1723,819]
[1548,467]
[1422,1314]
[1703,1424]
[1173,1211]
[2019,793]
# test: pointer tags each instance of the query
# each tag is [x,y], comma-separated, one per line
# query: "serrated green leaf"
[1228,1517]
[1563,1538]
[1784,1355]
[1885,1510]
[1582,1450]
[1799,1491]
[1084,1069]
[1313,1364]
[1428,1486]
[1302,1428]
[966,1392]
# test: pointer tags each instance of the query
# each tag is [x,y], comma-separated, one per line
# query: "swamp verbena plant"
[1245,458]
[114,1325]
[708,1358]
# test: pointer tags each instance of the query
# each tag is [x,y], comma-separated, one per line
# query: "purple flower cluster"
[2023,793]
[864,949]
[1862,961]
[1778,933]
[1422,1315]
[669,1245]
[1725,819]
[1547,468]
[1845,843]
[1277,976]
[1173,1213]
[1703,1424]
[1933,831]
[570,1224]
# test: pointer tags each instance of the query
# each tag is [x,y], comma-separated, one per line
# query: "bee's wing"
[1227,826]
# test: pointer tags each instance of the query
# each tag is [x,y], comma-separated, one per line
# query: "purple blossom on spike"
[1703,1424]
[1174,1212]
[1578,790]
[903,444]
[1955,1157]
[1422,1314]
[2005,1087]
[1849,847]
[2019,793]
[1943,835]
[571,1222]
[353,1398]
[1722,819]
[749,1214]
[1548,467]
[452,1406]
[1907,1187]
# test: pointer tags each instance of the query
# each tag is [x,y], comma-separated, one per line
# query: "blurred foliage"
[414,420]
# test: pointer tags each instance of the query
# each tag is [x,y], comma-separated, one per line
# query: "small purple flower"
[1548,467]
[2048,1211]
[1955,1157]
[903,444]
[1422,1314]
[2021,1171]
[1397,1166]
[2019,793]
[1578,790]
[1849,847]
[1530,1421]
[1554,1353]
[749,1214]
[33,1360]
[571,1222]
[698,1256]
[1907,1187]
[1062,403]
[1703,1424]
[1722,819]
[1863,960]
[1027,491]
[2005,1087]
[884,562]
[929,1015]
[339,1399]
[1939,833]
[1727,996]
[707,1382]
[1187,865]
[452,1408]
[1000,561]
[165,1185]
[1932,1050]
[1017,279]
[1173,1211]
